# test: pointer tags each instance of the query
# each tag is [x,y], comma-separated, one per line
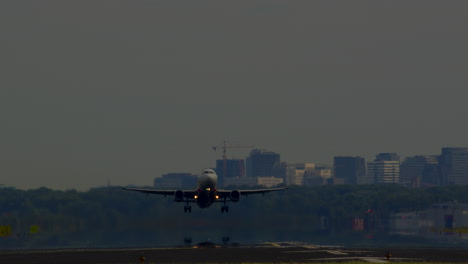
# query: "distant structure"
[432,175]
[419,170]
[261,163]
[348,170]
[232,168]
[385,168]
[444,222]
[265,168]
[454,166]
[303,174]
[176,180]
[253,181]
[298,173]
[322,175]
[227,168]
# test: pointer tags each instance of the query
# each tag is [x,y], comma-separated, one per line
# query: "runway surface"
[284,252]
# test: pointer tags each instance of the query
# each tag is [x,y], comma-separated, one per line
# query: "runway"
[279,252]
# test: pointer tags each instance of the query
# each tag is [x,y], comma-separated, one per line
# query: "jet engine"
[179,196]
[235,196]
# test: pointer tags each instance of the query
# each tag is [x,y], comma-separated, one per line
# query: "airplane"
[206,193]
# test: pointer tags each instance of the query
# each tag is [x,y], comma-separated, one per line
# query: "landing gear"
[187,208]
[224,208]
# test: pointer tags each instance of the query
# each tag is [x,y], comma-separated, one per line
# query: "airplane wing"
[187,194]
[227,193]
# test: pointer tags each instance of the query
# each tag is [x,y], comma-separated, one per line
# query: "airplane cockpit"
[208,171]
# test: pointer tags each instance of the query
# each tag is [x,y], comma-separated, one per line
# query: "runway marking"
[333,252]
[336,252]
[367,259]
[374,260]
[312,246]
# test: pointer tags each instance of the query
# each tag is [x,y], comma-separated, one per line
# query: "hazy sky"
[129,90]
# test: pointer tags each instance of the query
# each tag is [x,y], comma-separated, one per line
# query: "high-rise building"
[232,168]
[454,166]
[321,175]
[384,171]
[284,171]
[431,174]
[302,173]
[325,172]
[262,163]
[412,170]
[385,168]
[349,169]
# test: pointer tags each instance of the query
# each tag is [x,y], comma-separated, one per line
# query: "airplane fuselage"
[206,188]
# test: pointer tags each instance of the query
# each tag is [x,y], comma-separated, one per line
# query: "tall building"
[321,175]
[301,172]
[385,168]
[232,168]
[349,169]
[325,172]
[454,166]
[262,163]
[284,171]
[413,169]
[431,174]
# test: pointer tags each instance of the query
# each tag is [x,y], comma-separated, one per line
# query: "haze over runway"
[125,91]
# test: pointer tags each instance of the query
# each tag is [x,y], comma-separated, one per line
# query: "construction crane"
[225,146]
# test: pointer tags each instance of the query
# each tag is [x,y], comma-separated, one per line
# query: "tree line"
[104,217]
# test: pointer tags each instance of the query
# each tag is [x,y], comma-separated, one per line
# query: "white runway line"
[336,252]
[373,260]
[367,259]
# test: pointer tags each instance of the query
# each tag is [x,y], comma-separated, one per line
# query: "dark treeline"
[112,217]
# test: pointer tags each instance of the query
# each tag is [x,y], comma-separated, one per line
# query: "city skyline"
[367,162]
[121,91]
[266,168]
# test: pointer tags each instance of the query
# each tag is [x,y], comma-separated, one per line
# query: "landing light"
[217,196]
[195,197]
[208,189]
